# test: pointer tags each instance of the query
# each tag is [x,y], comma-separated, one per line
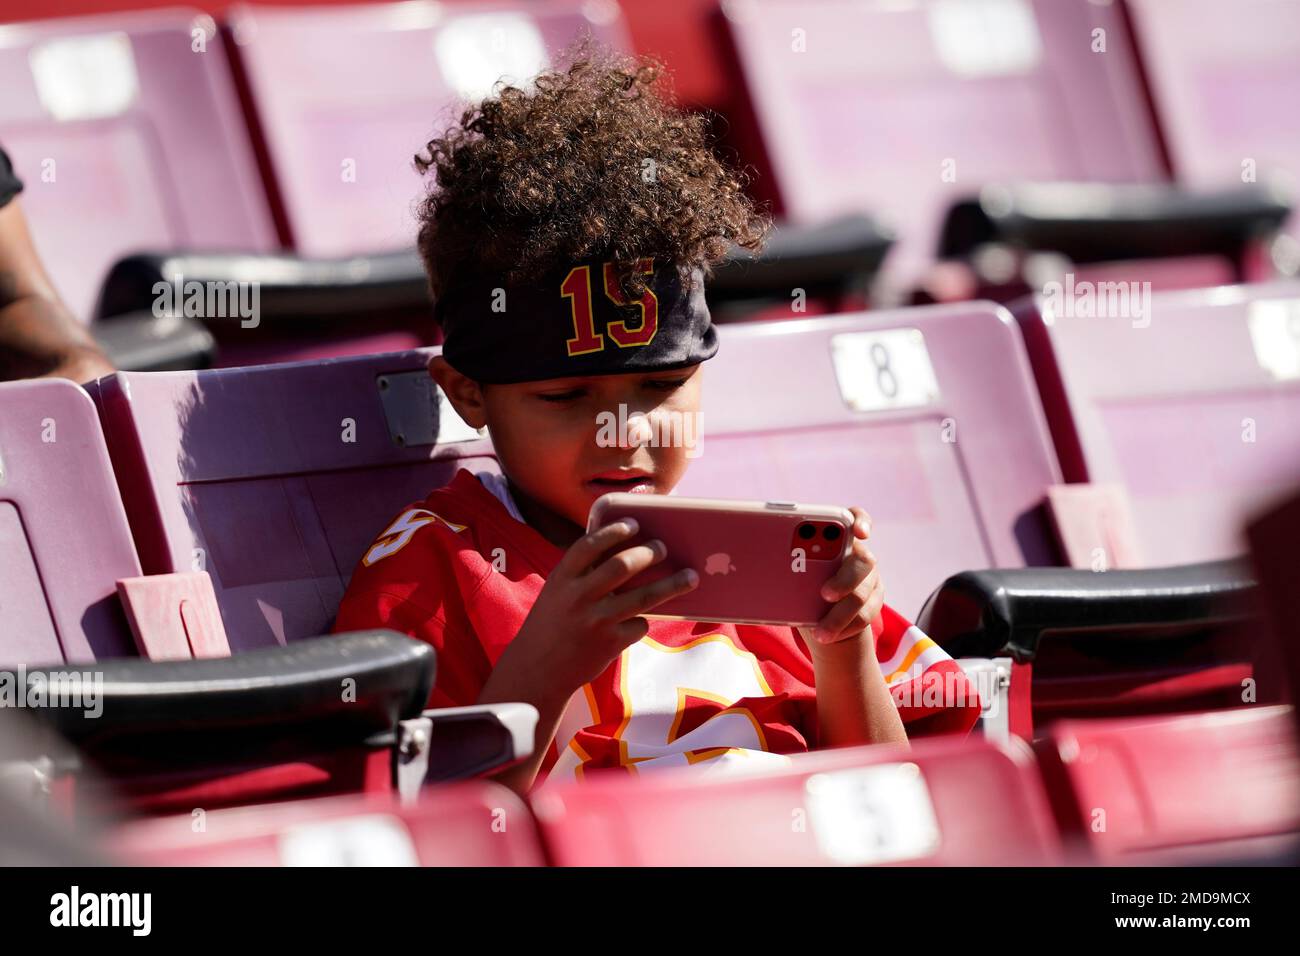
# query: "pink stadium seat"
[127,137]
[1194,414]
[944,802]
[953,468]
[347,95]
[64,538]
[275,479]
[1176,789]
[1224,77]
[897,109]
[467,824]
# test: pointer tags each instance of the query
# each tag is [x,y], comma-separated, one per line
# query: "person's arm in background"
[38,335]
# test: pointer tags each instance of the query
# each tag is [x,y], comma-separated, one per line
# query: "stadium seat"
[468,824]
[400,73]
[59,498]
[338,714]
[1222,78]
[1089,644]
[165,733]
[1188,400]
[1012,240]
[127,137]
[346,96]
[305,308]
[943,802]
[275,479]
[926,417]
[898,109]
[1191,789]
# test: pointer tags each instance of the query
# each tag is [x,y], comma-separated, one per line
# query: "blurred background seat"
[127,132]
[1187,400]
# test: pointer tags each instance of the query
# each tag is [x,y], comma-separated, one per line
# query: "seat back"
[450,826]
[897,109]
[127,137]
[1155,784]
[275,479]
[1190,403]
[946,802]
[1223,78]
[926,417]
[348,95]
[64,539]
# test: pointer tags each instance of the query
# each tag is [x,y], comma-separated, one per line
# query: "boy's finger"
[851,573]
[861,523]
[838,618]
[631,630]
[643,599]
[623,566]
[582,554]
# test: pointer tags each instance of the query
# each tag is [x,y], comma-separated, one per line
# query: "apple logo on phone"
[719,563]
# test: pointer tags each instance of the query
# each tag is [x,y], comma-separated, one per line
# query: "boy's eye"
[668,385]
[561,396]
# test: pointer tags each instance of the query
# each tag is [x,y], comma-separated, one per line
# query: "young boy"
[566,241]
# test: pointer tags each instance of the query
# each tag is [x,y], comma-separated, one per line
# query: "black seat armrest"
[144,342]
[1101,222]
[1002,613]
[844,253]
[328,691]
[316,294]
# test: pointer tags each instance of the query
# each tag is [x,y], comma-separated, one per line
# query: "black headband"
[575,322]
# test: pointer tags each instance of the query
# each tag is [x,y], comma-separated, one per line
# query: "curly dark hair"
[592,161]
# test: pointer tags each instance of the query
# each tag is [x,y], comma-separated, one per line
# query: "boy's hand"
[855,588]
[578,625]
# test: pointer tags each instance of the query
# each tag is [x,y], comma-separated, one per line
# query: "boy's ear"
[464,393]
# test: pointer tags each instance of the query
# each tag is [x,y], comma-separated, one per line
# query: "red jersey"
[458,571]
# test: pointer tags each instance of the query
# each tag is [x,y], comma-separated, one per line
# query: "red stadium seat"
[944,802]
[1186,789]
[347,95]
[947,447]
[127,137]
[58,497]
[468,824]
[898,109]
[275,479]
[1191,406]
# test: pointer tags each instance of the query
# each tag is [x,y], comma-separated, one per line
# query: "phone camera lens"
[831,532]
[807,531]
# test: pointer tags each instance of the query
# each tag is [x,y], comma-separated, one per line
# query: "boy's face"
[564,442]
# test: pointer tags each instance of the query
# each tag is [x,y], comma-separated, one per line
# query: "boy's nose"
[637,433]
